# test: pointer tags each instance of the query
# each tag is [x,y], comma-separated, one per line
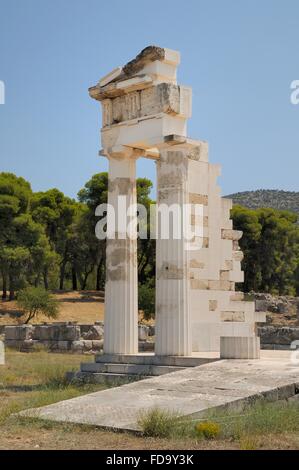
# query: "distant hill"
[274,198]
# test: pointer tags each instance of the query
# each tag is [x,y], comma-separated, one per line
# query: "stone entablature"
[142,100]
[163,98]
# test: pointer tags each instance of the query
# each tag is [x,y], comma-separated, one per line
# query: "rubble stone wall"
[278,337]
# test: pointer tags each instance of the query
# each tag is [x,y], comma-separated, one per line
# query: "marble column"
[121,301]
[173,335]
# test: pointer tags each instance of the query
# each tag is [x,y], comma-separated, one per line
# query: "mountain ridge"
[273,198]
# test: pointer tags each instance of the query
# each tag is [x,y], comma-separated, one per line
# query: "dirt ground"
[39,436]
[83,307]
[87,307]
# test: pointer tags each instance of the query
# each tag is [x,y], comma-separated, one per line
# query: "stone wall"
[278,337]
[65,337]
[88,339]
[283,305]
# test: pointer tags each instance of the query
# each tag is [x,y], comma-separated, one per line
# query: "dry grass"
[82,307]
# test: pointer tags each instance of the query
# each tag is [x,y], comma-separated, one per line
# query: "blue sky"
[239,57]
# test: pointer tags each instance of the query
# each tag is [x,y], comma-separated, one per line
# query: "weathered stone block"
[65,332]
[232,316]
[11,333]
[238,255]
[283,336]
[170,271]
[229,264]
[261,305]
[220,285]
[97,345]
[228,234]
[146,346]
[236,246]
[77,346]
[27,345]
[95,332]
[237,296]
[198,284]
[237,347]
[142,332]
[196,264]
[14,343]
[198,199]
[42,332]
[87,345]
[151,330]
[63,345]
[213,304]
[224,275]
[19,332]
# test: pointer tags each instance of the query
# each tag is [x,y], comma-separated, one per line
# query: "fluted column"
[121,306]
[173,336]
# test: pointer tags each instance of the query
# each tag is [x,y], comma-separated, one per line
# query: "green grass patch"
[246,428]
[259,420]
[30,380]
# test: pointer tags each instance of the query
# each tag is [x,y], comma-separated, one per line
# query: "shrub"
[157,423]
[208,429]
[34,301]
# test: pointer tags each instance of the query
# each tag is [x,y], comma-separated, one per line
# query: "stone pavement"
[190,392]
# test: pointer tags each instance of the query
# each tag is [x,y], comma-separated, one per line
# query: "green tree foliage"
[247,220]
[94,193]
[34,301]
[18,232]
[146,300]
[56,213]
[270,244]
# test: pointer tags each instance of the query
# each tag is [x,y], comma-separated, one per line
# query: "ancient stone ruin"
[145,114]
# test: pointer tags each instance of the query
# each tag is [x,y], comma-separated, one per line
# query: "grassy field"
[36,379]
[82,306]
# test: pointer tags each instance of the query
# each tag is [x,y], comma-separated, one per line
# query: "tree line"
[48,239]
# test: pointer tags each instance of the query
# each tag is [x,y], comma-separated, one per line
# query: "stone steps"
[152,359]
[132,369]
[117,369]
[104,378]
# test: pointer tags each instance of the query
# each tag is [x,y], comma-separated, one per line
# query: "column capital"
[179,141]
[192,149]
[121,151]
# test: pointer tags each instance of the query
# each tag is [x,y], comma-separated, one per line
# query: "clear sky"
[239,57]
